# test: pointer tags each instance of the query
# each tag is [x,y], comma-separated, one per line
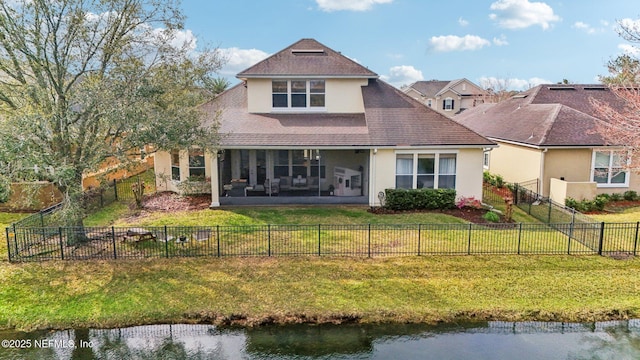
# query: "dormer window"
[298,94]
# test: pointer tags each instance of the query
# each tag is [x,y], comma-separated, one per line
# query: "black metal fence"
[368,240]
[94,199]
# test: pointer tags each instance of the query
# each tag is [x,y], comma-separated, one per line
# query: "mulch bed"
[171,202]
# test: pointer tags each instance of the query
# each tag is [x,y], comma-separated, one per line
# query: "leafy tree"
[83,82]
[620,125]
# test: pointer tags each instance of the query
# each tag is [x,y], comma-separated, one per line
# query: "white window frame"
[448,104]
[610,168]
[175,165]
[486,160]
[308,106]
[429,103]
[436,171]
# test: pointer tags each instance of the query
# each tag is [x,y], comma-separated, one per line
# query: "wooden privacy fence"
[367,240]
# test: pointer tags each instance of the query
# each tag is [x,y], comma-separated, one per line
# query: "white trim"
[308,77]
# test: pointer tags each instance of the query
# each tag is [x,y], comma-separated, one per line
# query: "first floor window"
[609,168]
[404,171]
[485,160]
[196,165]
[175,165]
[429,171]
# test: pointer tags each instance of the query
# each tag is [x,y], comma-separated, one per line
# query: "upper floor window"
[298,94]
[429,103]
[447,104]
[609,168]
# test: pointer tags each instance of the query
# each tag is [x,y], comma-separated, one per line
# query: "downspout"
[542,157]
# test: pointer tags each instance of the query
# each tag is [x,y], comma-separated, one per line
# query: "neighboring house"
[448,97]
[310,125]
[548,134]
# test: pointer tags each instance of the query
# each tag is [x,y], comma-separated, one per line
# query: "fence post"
[166,242]
[469,245]
[635,243]
[515,194]
[6,231]
[519,236]
[419,236]
[113,239]
[115,189]
[601,238]
[319,239]
[15,238]
[369,242]
[549,215]
[61,245]
[218,238]
[269,239]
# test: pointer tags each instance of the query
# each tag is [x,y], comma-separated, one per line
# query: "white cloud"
[177,38]
[629,49]
[447,43]
[351,5]
[402,75]
[584,27]
[240,59]
[462,22]
[501,41]
[518,14]
[511,83]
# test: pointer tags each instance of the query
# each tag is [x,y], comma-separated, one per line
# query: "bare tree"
[620,124]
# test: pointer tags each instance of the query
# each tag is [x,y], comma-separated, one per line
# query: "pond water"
[488,340]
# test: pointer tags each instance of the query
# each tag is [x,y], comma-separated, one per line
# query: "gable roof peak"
[307,57]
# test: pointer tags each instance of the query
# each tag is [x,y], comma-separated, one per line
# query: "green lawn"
[7,219]
[257,290]
[626,216]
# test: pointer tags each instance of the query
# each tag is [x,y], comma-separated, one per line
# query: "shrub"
[491,217]
[616,197]
[630,195]
[499,181]
[487,177]
[596,204]
[430,199]
[471,202]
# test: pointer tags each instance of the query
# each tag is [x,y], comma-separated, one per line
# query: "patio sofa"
[288,183]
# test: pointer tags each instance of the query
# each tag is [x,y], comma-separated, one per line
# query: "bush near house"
[420,199]
[583,206]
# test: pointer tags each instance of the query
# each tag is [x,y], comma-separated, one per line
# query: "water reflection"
[489,340]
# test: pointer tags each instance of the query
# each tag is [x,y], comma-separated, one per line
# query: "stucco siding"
[515,163]
[341,95]
[468,172]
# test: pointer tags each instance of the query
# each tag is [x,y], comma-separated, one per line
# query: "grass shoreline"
[261,291]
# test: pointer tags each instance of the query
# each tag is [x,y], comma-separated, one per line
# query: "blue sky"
[522,42]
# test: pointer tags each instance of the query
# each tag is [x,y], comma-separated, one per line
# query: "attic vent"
[307,51]
[595,88]
[561,88]
[519,96]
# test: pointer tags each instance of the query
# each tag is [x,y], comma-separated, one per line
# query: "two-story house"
[447,97]
[309,125]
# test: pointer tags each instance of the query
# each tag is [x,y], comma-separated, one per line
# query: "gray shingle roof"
[390,117]
[307,57]
[546,115]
